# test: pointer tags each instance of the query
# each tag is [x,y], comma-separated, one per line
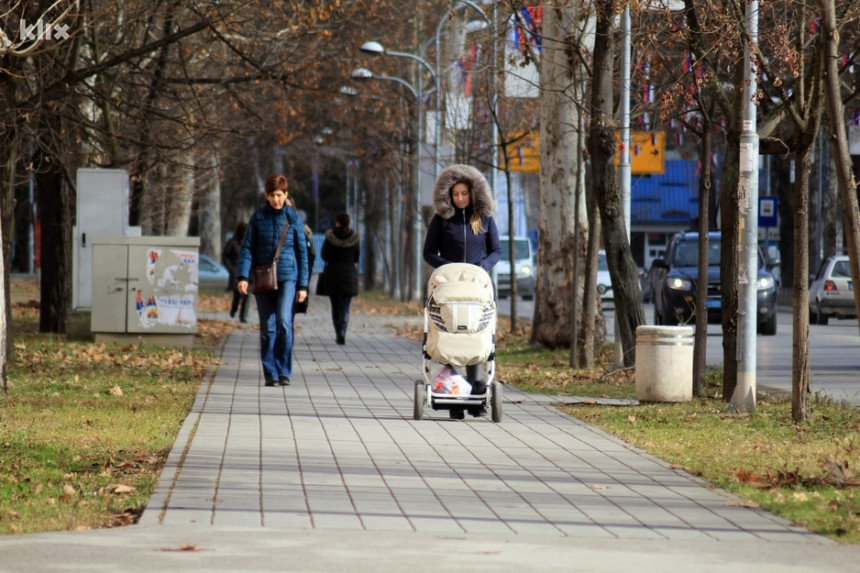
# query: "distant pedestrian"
[312,255]
[230,259]
[276,308]
[340,251]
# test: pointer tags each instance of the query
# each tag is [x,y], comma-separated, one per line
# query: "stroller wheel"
[418,406]
[496,402]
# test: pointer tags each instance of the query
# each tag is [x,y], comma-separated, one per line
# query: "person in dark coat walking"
[463,231]
[230,259]
[340,251]
[312,254]
[276,308]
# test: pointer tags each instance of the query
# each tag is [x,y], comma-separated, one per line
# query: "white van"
[525,265]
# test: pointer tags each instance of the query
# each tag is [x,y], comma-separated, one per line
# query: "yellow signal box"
[647,152]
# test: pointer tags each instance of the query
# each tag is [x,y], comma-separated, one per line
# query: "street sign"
[767,211]
[647,152]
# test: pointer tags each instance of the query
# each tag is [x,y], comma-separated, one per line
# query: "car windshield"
[601,262]
[521,248]
[687,253]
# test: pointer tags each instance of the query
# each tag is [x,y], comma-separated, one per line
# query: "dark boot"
[344,322]
[337,321]
[473,375]
[340,332]
[479,387]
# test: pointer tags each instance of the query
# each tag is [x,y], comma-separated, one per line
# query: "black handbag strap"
[281,240]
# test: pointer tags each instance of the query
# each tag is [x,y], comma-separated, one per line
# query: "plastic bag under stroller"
[447,381]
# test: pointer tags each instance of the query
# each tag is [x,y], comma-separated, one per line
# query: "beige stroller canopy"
[462,315]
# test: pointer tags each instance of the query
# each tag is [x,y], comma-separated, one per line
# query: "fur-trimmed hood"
[482,196]
[340,237]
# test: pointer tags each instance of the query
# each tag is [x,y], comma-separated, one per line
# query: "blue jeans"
[276,330]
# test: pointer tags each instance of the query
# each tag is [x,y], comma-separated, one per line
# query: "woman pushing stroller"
[463,231]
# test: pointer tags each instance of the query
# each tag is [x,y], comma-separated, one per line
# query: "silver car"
[604,282]
[212,274]
[831,293]
[525,268]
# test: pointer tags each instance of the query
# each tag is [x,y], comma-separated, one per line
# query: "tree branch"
[62,87]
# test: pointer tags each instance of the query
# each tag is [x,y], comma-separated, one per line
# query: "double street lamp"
[376,48]
[417,92]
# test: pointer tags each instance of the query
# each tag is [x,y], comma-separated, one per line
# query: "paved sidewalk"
[332,473]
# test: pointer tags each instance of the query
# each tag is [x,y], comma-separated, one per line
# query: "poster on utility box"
[166,300]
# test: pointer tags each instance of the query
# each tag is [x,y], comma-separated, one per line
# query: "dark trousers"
[474,374]
[240,302]
[340,315]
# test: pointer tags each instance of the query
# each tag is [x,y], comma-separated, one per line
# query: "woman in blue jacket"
[463,231]
[276,308]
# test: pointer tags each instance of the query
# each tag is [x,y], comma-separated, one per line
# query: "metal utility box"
[145,286]
[102,209]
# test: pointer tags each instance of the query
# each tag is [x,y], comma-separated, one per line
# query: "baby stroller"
[459,331]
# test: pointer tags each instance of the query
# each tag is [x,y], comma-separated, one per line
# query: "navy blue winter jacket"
[453,241]
[261,241]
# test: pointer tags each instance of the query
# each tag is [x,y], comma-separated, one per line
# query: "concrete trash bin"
[664,363]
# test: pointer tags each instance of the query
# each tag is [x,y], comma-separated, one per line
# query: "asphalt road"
[834,354]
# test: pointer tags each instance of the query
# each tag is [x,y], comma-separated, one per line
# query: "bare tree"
[625,285]
[789,111]
[839,141]
[562,34]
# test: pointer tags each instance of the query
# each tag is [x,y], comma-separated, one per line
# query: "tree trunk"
[512,249]
[579,249]
[559,144]
[780,170]
[625,284]
[8,160]
[4,341]
[209,211]
[800,290]
[700,349]
[831,222]
[56,209]
[839,142]
[394,233]
[9,157]
[729,257]
[590,300]
[178,207]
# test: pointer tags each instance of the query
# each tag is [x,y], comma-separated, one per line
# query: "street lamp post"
[365,74]
[377,48]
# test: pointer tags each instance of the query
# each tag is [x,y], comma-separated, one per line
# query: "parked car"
[831,293]
[211,274]
[773,261]
[604,282]
[525,265]
[675,276]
